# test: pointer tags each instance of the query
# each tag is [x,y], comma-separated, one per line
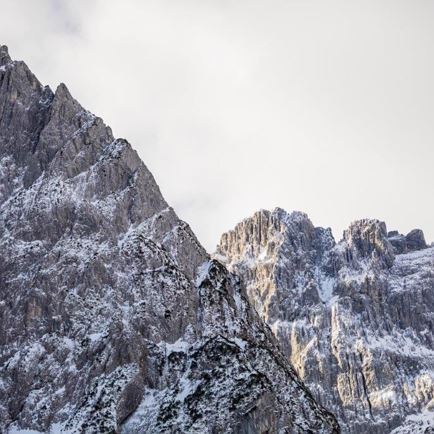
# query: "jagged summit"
[367,238]
[117,319]
[414,240]
[62,92]
[4,55]
[353,317]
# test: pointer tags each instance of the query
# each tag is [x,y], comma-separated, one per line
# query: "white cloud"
[325,107]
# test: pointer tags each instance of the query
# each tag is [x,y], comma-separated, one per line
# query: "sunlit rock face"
[355,318]
[113,317]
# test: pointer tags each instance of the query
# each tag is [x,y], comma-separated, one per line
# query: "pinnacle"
[63,91]
[4,55]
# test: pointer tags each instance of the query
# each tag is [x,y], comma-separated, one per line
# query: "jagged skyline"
[340,310]
[115,318]
[323,107]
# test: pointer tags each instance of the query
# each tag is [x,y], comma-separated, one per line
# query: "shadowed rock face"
[354,318]
[414,240]
[113,316]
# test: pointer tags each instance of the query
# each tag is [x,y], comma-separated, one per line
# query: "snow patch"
[202,272]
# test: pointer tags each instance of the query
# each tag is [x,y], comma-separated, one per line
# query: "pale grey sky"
[322,106]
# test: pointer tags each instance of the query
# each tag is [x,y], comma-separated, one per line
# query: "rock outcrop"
[414,240]
[114,318]
[355,318]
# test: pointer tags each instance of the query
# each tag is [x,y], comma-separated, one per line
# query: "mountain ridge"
[346,314]
[117,320]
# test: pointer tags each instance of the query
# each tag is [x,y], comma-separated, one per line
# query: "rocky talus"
[113,317]
[355,318]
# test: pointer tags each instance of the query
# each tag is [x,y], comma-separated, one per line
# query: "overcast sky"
[321,106]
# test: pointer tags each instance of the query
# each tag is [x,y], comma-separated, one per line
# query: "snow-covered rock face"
[355,318]
[113,317]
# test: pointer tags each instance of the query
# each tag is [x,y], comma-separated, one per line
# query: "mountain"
[355,318]
[114,318]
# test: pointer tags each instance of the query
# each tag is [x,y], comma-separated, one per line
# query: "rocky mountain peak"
[266,231]
[353,317]
[4,55]
[278,243]
[414,240]
[298,226]
[117,319]
[367,238]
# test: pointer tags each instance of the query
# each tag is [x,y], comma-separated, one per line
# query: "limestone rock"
[114,318]
[414,240]
[355,318]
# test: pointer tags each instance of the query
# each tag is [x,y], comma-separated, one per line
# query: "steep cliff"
[113,316]
[354,318]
